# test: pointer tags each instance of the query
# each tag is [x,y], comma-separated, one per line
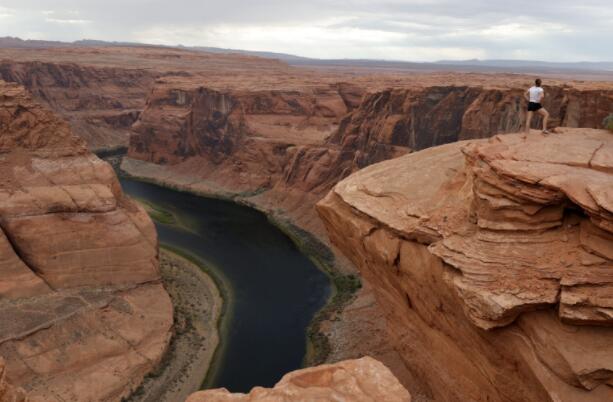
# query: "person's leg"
[543,112]
[528,121]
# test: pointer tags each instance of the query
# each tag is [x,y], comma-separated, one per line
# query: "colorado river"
[272,289]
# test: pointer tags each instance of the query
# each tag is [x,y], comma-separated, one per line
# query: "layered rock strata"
[493,262]
[100,103]
[84,315]
[362,380]
[390,121]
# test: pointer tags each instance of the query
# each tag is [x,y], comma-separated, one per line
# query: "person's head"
[537,82]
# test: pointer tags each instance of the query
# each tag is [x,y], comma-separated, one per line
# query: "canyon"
[454,300]
[278,135]
[287,149]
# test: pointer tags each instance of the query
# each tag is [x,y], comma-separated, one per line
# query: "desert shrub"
[608,122]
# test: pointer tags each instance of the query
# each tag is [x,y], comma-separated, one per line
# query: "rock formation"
[280,137]
[493,262]
[362,380]
[389,122]
[100,103]
[252,126]
[84,315]
[241,140]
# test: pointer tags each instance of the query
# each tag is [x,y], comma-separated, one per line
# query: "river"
[272,290]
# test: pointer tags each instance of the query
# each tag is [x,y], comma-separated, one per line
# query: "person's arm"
[542,95]
[527,95]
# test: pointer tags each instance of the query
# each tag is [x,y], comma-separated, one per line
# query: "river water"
[273,290]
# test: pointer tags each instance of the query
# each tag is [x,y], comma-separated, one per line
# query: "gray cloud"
[561,30]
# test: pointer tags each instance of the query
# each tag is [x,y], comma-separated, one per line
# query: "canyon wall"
[254,133]
[84,314]
[394,121]
[248,126]
[243,142]
[492,262]
[100,103]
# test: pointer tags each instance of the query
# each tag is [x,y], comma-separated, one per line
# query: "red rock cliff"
[84,315]
[397,120]
[100,103]
[492,261]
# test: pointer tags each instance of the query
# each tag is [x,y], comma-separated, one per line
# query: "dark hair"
[537,82]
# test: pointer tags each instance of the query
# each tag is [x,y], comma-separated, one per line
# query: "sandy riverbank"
[198,305]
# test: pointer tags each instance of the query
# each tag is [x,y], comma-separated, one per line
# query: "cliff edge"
[493,262]
[84,314]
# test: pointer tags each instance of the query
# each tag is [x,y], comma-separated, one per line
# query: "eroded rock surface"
[362,380]
[101,103]
[492,260]
[84,315]
[9,393]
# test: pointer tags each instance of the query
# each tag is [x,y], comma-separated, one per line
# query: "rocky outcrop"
[492,260]
[84,314]
[360,380]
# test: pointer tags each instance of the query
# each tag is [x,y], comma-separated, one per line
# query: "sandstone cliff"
[84,315]
[362,380]
[243,141]
[493,262]
[397,120]
[100,103]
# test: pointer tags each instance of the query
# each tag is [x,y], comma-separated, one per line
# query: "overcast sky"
[419,30]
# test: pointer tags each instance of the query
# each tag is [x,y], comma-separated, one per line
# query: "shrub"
[608,122]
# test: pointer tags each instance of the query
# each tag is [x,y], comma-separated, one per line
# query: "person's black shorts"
[533,106]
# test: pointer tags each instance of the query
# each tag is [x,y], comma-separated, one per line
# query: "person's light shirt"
[535,94]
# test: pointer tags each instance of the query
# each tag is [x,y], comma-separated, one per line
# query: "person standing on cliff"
[535,96]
